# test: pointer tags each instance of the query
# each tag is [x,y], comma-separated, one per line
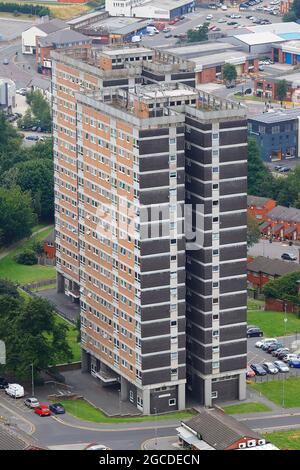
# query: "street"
[273,250]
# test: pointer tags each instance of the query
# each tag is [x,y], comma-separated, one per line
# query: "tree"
[40,109]
[289,16]
[289,188]
[27,257]
[260,180]
[8,288]
[284,288]
[229,72]
[282,88]
[198,35]
[16,215]
[35,176]
[296,8]
[253,233]
[32,335]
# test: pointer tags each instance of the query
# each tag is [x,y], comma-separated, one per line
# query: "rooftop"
[263,37]
[218,429]
[276,28]
[127,50]
[65,36]
[282,213]
[273,267]
[51,26]
[278,115]
[165,5]
[257,201]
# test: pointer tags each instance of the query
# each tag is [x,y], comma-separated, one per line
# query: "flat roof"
[293,78]
[230,57]
[87,16]
[253,39]
[120,25]
[280,115]
[164,5]
[196,50]
[276,28]
[127,50]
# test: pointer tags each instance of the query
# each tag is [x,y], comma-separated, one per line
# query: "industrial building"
[160,307]
[29,37]
[149,8]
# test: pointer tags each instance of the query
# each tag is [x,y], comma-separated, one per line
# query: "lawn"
[21,274]
[285,439]
[274,389]
[83,410]
[254,407]
[64,11]
[254,304]
[272,323]
[72,338]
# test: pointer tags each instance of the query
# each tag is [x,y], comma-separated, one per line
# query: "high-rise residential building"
[130,160]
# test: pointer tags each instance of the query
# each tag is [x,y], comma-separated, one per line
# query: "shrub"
[27,257]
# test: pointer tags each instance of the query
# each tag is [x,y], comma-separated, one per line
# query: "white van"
[224,7]
[15,391]
[151,30]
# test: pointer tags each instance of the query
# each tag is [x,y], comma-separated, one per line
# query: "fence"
[36,285]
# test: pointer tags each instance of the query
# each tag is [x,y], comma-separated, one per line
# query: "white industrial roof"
[127,50]
[276,28]
[253,39]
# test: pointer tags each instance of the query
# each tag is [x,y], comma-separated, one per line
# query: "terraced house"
[159,308]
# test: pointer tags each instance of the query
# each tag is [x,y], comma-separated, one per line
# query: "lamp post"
[283,382]
[32,379]
[155,427]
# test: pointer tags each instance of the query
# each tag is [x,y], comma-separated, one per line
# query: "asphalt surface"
[273,250]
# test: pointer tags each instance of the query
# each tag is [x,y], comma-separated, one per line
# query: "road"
[273,250]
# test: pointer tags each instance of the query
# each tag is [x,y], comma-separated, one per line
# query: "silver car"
[31,402]
[281,366]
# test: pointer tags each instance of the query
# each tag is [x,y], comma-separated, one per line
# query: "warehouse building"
[149,8]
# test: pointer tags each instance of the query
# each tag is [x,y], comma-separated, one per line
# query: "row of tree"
[294,13]
[37,114]
[26,184]
[261,182]
[38,10]
[31,333]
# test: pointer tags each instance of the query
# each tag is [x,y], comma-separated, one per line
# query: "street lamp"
[155,427]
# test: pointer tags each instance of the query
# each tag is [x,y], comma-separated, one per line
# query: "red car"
[42,410]
[250,373]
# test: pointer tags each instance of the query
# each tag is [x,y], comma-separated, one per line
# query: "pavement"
[63,304]
[273,250]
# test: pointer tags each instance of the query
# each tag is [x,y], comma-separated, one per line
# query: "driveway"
[62,302]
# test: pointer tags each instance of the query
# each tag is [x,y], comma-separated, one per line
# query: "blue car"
[294,363]
[258,369]
[57,409]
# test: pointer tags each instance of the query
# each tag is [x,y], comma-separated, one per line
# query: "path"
[12,247]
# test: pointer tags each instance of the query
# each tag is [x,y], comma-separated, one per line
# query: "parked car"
[281,366]
[32,137]
[15,391]
[96,447]
[273,347]
[232,23]
[209,17]
[280,350]
[248,91]
[282,354]
[166,30]
[294,363]
[284,169]
[57,408]
[5,62]
[3,383]
[258,369]
[254,332]
[31,402]
[168,35]
[290,357]
[270,368]
[261,68]
[259,344]
[250,373]
[42,410]
[289,256]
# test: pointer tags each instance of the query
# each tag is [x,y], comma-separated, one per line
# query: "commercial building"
[155,312]
[31,34]
[149,8]
[276,133]
[268,87]
[215,430]
[62,39]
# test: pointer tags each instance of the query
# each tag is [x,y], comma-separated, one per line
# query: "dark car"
[3,383]
[289,256]
[248,91]
[266,346]
[258,369]
[230,85]
[32,137]
[272,347]
[254,332]
[57,409]
[283,353]
[232,23]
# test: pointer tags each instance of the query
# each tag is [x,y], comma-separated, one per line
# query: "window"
[172,141]
[275,129]
[215,300]
[173,323]
[215,252]
[215,169]
[215,333]
[215,203]
[174,372]
[131,398]
[215,269]
[215,219]
[216,317]
[215,186]
[215,284]
[215,136]
[261,129]
[172,402]
[215,365]
[214,395]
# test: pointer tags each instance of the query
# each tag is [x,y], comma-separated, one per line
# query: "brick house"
[262,270]
[284,223]
[258,207]
[267,87]
[212,429]
[49,245]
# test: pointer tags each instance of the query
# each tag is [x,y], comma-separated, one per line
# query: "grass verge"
[272,323]
[284,393]
[71,338]
[21,274]
[285,439]
[254,407]
[81,409]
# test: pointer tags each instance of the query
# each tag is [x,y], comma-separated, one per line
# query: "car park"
[42,410]
[258,369]
[3,383]
[15,391]
[31,402]
[289,257]
[254,332]
[259,344]
[281,366]
[294,363]
[57,408]
[273,346]
[265,346]
[270,368]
